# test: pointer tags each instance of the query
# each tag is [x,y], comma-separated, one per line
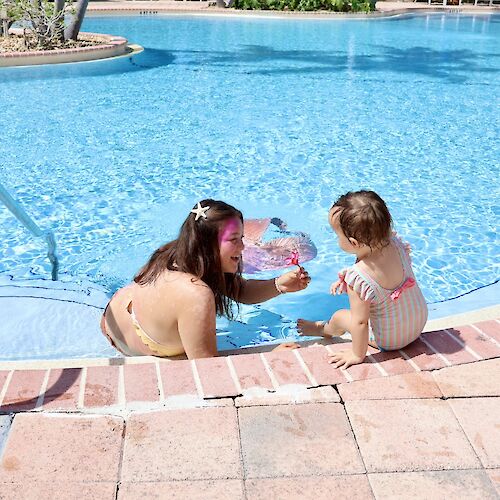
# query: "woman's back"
[146,317]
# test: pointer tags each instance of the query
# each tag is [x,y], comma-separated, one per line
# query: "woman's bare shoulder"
[184,286]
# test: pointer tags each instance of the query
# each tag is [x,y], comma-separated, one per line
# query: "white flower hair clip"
[200,211]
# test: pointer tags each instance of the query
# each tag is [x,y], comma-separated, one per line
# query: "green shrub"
[307,5]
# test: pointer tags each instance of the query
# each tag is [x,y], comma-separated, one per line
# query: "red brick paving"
[141,382]
[58,490]
[423,356]
[186,444]
[345,487]
[392,362]
[491,328]
[63,389]
[480,420]
[406,386]
[101,388]
[297,440]
[471,380]
[286,368]
[316,360]
[453,484]
[478,342]
[410,435]
[251,371]
[220,377]
[215,377]
[177,378]
[221,489]
[45,447]
[445,344]
[390,435]
[23,390]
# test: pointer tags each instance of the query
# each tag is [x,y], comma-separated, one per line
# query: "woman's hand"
[344,359]
[293,281]
[287,346]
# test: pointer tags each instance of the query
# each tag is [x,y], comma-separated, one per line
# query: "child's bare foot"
[311,328]
[318,328]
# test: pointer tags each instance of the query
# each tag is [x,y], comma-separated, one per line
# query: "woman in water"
[170,307]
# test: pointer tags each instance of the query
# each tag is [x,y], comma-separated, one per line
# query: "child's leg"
[338,325]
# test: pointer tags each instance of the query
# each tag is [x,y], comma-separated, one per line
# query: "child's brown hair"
[365,217]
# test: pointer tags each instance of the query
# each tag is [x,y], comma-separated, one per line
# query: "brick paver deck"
[156,382]
[419,423]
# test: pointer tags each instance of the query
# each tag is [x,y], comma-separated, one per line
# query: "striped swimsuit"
[397,316]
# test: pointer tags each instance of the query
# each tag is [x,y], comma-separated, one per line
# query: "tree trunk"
[71,32]
[59,28]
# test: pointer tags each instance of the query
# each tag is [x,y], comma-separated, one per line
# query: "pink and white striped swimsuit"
[397,316]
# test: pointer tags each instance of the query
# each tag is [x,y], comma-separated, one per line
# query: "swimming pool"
[278,117]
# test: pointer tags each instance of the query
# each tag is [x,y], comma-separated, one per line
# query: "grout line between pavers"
[274,381]
[121,386]
[120,459]
[486,335]
[377,366]
[410,361]
[354,436]
[197,380]
[4,436]
[83,383]
[6,386]
[344,372]
[159,380]
[432,348]
[465,434]
[305,368]
[43,390]
[234,375]
[462,344]
[242,461]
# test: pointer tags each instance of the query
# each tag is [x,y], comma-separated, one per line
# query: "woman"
[170,307]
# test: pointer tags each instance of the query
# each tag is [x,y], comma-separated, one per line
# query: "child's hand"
[293,281]
[340,286]
[344,359]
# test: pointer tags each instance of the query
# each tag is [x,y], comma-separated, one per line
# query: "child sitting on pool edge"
[387,308]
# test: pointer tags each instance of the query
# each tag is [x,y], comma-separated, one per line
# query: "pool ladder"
[28,222]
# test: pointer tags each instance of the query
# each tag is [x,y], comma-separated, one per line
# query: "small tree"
[43,21]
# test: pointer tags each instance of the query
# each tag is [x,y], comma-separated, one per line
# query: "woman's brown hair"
[196,251]
[365,217]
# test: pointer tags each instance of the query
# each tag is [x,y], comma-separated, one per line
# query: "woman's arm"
[255,291]
[196,323]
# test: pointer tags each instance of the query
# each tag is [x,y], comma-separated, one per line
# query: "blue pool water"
[278,117]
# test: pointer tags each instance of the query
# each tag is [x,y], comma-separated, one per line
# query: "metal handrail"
[19,212]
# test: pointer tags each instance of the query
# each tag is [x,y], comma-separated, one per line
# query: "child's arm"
[360,314]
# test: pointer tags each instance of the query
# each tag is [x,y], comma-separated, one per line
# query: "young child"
[388,309]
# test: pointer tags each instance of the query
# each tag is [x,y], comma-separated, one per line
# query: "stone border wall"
[112,46]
